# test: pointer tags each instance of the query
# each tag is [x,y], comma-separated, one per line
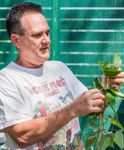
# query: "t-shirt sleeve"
[13,108]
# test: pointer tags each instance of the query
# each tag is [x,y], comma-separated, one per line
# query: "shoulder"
[6,69]
[5,75]
[55,64]
[59,68]
[3,72]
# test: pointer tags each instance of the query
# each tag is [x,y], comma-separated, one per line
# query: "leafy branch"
[99,138]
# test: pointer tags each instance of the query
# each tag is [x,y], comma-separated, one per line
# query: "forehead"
[34,22]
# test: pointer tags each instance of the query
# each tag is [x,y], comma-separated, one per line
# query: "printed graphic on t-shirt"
[47,88]
[56,95]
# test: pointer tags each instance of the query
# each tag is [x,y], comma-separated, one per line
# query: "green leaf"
[110,71]
[98,85]
[115,122]
[117,61]
[110,98]
[104,65]
[106,140]
[117,93]
[119,139]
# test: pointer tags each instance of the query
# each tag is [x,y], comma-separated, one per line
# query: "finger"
[96,109]
[105,80]
[98,102]
[92,91]
[120,75]
[115,87]
[117,81]
[98,95]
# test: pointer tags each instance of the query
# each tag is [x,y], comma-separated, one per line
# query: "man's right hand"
[90,101]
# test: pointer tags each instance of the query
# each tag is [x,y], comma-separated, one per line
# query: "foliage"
[100,138]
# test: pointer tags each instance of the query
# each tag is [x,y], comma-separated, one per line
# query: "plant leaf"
[106,140]
[117,61]
[98,85]
[119,139]
[110,98]
[104,65]
[116,93]
[111,71]
[115,122]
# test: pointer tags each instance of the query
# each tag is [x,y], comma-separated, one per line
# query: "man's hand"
[91,101]
[117,81]
[114,82]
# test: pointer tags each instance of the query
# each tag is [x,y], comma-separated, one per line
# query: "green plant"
[99,137]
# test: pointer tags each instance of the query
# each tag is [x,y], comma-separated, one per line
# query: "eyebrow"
[39,32]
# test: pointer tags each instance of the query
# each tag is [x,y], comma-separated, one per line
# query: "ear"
[15,40]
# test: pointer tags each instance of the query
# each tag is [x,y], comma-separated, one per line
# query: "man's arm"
[42,128]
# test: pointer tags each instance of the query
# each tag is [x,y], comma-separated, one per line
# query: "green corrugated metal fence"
[90,31]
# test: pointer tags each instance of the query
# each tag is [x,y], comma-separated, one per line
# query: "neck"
[27,64]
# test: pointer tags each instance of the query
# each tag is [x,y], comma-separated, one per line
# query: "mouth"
[44,48]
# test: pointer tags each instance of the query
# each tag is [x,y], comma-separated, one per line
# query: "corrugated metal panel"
[90,31]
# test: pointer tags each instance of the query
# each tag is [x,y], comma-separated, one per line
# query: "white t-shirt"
[2,138]
[27,93]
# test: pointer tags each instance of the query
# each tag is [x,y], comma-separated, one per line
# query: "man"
[40,100]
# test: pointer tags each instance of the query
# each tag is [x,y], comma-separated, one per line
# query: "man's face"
[34,45]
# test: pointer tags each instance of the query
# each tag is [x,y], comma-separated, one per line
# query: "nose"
[45,38]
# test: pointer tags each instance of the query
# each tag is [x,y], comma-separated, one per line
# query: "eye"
[47,33]
[37,35]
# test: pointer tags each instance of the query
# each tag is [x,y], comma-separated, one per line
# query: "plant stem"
[100,131]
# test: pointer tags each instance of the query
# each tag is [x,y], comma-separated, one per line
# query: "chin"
[47,56]
[43,60]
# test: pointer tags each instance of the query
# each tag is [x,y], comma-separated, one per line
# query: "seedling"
[99,138]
